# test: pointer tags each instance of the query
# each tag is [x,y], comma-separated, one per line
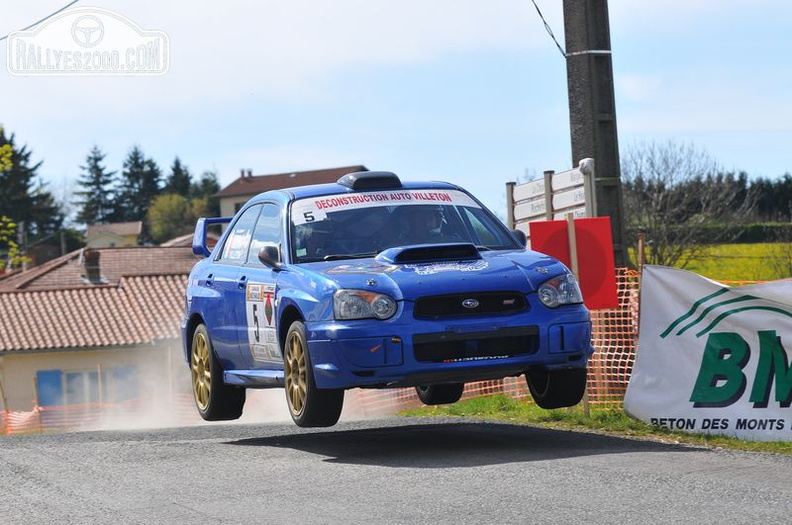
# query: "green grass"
[610,421]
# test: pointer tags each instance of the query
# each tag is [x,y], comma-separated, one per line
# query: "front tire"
[215,400]
[309,406]
[440,394]
[557,388]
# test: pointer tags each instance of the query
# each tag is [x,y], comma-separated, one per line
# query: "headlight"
[361,304]
[560,290]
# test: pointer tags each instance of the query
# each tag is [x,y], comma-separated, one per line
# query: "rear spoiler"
[199,246]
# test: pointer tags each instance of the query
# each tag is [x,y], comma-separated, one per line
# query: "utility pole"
[592,107]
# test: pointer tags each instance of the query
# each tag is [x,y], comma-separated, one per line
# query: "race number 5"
[257,333]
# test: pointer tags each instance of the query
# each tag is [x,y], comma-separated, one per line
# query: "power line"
[45,18]
[549,31]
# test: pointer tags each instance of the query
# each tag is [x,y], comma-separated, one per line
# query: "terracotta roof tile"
[255,184]
[140,310]
[114,263]
[54,307]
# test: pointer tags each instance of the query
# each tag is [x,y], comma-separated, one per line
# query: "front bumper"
[405,351]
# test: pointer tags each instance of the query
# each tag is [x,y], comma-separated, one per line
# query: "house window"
[81,388]
[78,387]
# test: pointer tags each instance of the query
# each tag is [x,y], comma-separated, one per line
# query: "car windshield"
[356,225]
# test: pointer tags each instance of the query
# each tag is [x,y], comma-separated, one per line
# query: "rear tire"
[440,394]
[557,388]
[215,400]
[309,406]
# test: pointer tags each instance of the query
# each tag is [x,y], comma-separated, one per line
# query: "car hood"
[413,277]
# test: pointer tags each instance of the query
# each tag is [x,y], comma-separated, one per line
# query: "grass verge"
[610,421]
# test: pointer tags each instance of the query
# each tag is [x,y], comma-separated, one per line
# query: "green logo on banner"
[700,320]
[721,380]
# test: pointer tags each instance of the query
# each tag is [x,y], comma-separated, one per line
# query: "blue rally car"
[376,283]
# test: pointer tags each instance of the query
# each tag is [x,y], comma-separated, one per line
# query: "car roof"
[319,190]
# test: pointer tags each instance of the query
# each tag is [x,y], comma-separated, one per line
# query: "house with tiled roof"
[94,326]
[113,234]
[233,196]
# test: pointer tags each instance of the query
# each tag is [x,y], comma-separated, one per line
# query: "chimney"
[242,173]
[250,173]
[91,266]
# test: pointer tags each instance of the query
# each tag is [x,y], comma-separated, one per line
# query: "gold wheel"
[201,371]
[295,373]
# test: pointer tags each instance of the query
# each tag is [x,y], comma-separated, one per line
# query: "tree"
[681,199]
[96,204]
[172,215]
[179,180]
[169,216]
[23,196]
[5,155]
[774,198]
[139,186]
[207,187]
[10,254]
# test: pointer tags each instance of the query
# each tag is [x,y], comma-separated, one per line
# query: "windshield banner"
[316,209]
[713,359]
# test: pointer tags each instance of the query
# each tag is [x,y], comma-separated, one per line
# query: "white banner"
[711,358]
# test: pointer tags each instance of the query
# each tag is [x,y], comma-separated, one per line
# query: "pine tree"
[150,186]
[140,180]
[125,206]
[179,180]
[23,196]
[96,203]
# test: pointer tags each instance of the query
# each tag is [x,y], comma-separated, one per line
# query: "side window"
[487,235]
[268,231]
[236,244]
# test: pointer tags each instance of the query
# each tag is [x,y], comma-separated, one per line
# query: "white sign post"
[553,197]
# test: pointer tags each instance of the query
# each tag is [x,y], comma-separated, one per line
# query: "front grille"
[437,306]
[451,346]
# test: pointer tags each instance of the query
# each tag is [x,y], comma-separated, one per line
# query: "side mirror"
[269,255]
[521,236]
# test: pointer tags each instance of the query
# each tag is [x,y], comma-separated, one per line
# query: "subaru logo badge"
[470,303]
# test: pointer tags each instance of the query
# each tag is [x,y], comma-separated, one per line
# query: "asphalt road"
[393,470]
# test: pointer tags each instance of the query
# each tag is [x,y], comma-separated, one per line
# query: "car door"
[258,338]
[224,279]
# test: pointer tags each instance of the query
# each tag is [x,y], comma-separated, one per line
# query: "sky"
[469,91]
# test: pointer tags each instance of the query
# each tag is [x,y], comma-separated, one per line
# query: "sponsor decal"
[316,209]
[456,266]
[260,311]
[375,268]
[713,359]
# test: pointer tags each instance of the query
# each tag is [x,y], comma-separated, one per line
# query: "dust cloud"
[162,398]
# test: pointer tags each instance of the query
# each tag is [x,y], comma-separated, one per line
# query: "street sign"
[552,197]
